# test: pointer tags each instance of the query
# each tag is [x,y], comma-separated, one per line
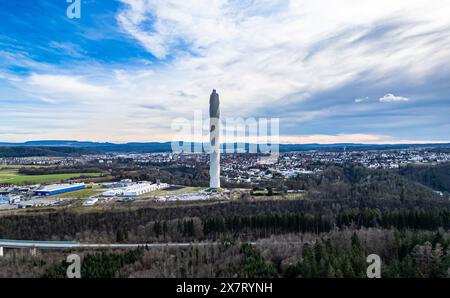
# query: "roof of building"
[55,187]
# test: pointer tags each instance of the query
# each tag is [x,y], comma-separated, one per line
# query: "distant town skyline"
[374,72]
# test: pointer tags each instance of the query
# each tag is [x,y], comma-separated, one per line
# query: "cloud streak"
[359,100]
[392,98]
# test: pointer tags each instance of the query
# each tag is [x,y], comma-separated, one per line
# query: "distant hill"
[151,147]
[97,147]
[29,151]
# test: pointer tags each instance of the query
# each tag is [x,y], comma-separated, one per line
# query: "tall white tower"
[214,137]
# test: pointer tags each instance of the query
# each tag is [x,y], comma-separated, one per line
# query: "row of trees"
[277,223]
[210,221]
[338,253]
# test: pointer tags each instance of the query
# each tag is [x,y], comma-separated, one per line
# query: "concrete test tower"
[214,137]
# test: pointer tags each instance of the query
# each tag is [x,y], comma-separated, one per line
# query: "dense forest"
[251,220]
[437,177]
[79,168]
[338,253]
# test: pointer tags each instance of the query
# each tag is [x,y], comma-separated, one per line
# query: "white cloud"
[359,100]
[68,48]
[392,98]
[349,138]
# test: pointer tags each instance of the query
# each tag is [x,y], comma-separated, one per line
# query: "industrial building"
[135,190]
[38,203]
[122,183]
[140,189]
[56,189]
[90,202]
[4,200]
[113,192]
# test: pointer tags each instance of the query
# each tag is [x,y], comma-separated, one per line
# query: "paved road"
[68,244]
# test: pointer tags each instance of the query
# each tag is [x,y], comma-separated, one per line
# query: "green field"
[79,194]
[175,191]
[10,176]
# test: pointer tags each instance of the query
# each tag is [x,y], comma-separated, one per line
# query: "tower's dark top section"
[214,105]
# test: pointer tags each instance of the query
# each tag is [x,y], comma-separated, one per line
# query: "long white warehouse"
[135,190]
[142,188]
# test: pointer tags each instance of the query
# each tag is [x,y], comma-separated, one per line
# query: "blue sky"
[331,71]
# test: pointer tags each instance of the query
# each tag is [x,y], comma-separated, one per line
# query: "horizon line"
[222,143]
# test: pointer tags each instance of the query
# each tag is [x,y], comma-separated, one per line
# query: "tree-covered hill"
[436,177]
[43,151]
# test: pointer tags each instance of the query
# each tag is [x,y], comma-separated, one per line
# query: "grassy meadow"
[10,175]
